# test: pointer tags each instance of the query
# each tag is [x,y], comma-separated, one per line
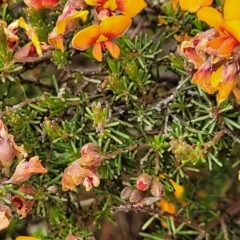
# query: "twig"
[138,28]
[24,103]
[232,210]
[231,134]
[157,211]
[224,229]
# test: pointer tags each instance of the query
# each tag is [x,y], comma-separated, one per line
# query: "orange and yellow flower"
[223,80]
[101,36]
[128,8]
[227,24]
[31,33]
[66,22]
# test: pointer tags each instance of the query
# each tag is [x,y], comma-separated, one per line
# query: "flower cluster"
[214,53]
[84,170]
[107,25]
[139,194]
[24,170]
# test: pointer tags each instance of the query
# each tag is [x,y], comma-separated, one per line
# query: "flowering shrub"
[111,106]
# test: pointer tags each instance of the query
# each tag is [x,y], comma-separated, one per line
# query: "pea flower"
[11,34]
[66,22]
[31,33]
[83,170]
[23,205]
[101,36]
[127,7]
[9,149]
[227,24]
[74,175]
[193,5]
[5,216]
[39,4]
[25,170]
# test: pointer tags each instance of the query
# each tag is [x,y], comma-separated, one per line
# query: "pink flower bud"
[90,147]
[136,196]
[91,160]
[126,192]
[143,182]
[157,189]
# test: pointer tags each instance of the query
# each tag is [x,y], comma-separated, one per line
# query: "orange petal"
[62,22]
[113,48]
[56,40]
[236,92]
[216,42]
[116,26]
[129,7]
[86,37]
[189,5]
[233,26]
[231,9]
[49,3]
[175,4]
[228,46]
[202,78]
[211,16]
[97,51]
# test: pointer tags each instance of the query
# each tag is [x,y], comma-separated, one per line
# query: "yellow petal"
[205,3]
[31,34]
[231,9]
[232,27]
[113,48]
[216,77]
[202,78]
[27,238]
[86,37]
[94,2]
[116,26]
[62,23]
[130,8]
[189,5]
[211,16]
[224,89]
[97,51]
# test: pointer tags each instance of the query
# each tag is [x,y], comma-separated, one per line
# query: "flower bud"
[90,147]
[136,196]
[90,160]
[126,192]
[143,182]
[157,189]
